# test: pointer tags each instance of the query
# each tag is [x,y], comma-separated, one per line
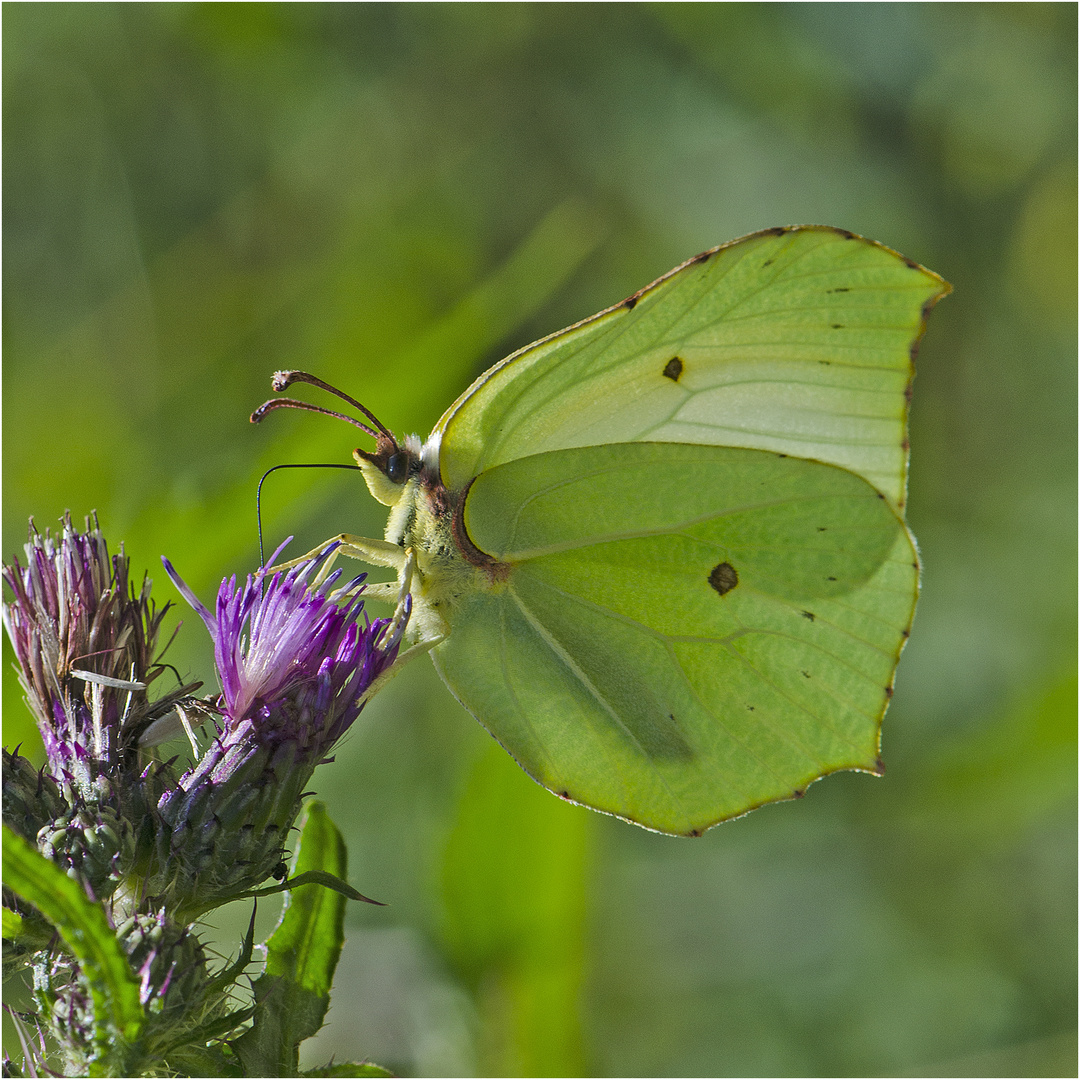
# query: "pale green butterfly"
[661,555]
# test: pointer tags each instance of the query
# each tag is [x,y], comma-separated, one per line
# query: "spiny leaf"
[307,942]
[316,877]
[349,1068]
[85,929]
[302,953]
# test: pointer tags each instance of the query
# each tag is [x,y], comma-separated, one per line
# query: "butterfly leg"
[404,602]
[373,552]
[397,624]
[385,592]
[401,559]
[403,658]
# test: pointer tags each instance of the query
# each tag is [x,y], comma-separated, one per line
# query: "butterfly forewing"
[795,340]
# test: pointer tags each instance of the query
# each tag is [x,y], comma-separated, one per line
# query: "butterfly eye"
[397,468]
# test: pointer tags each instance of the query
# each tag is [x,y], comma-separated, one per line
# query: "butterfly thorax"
[426,517]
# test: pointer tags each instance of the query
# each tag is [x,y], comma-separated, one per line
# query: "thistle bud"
[94,844]
[169,962]
[31,798]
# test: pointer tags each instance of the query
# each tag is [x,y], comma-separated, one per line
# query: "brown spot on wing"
[723,578]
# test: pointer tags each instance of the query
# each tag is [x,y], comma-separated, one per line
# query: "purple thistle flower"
[294,662]
[301,644]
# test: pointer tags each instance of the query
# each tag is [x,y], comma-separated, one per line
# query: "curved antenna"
[291,403]
[258,492]
[283,379]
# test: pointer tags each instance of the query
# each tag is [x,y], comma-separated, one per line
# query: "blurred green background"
[394,196]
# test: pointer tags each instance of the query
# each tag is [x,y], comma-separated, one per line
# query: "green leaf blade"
[348,1068]
[83,926]
[301,955]
[307,943]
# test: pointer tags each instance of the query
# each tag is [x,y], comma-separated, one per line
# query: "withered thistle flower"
[294,663]
[85,640]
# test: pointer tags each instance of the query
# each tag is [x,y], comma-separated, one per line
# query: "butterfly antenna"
[258,491]
[283,379]
[291,403]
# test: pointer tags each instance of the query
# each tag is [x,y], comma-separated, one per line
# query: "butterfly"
[661,555]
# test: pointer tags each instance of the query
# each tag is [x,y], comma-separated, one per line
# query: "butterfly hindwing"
[681,632]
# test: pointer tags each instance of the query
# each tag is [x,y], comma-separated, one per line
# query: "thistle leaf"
[13,925]
[29,931]
[348,1068]
[83,926]
[301,955]
[315,877]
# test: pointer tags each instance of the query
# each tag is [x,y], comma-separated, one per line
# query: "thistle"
[296,659]
[296,663]
[85,638]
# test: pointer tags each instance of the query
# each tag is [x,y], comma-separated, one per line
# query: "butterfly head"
[388,470]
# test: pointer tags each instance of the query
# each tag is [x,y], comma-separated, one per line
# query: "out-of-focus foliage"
[395,195]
